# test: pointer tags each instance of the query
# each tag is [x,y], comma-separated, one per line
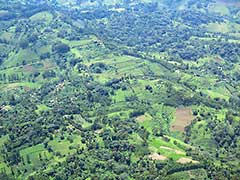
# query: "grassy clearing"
[159,145]
[225,27]
[7,35]
[199,174]
[219,8]
[135,139]
[218,27]
[76,52]
[201,137]
[31,155]
[148,123]
[120,66]
[157,142]
[63,146]
[36,156]
[22,56]
[42,16]
[218,92]
[25,85]
[78,119]
[41,107]
[122,112]
[44,49]
[120,95]
[82,42]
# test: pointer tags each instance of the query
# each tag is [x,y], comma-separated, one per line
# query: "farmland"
[184,118]
[119,89]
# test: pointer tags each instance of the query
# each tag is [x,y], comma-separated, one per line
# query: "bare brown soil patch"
[184,118]
[59,87]
[28,68]
[99,131]
[186,161]
[218,59]
[26,88]
[156,156]
[47,65]
[171,149]
[141,118]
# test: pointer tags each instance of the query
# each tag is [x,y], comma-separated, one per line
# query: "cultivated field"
[184,118]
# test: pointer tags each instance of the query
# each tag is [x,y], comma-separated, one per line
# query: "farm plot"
[184,118]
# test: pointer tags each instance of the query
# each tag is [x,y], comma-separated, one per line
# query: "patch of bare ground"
[141,118]
[27,88]
[28,68]
[184,117]
[171,149]
[156,156]
[47,65]
[218,59]
[185,160]
[99,131]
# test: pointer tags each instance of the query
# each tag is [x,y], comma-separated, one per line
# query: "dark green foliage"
[98,68]
[24,44]
[49,74]
[60,48]
[45,55]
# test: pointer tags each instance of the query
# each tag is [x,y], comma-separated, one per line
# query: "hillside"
[119,89]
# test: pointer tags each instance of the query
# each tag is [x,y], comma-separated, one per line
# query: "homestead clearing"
[184,160]
[156,156]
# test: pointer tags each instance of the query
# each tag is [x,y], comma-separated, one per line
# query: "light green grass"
[82,42]
[199,174]
[200,135]
[218,27]
[42,107]
[16,59]
[11,86]
[225,27]
[42,16]
[120,95]
[219,8]
[156,142]
[33,153]
[219,92]
[148,123]
[62,146]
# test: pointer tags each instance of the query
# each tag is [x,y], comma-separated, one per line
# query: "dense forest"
[119,89]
